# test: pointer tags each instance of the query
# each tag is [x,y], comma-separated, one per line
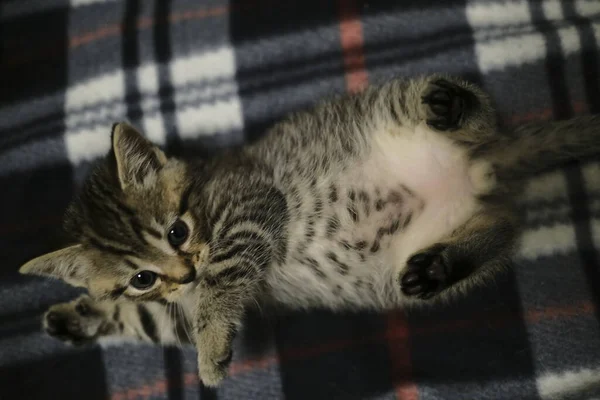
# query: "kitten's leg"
[85,320]
[249,235]
[485,241]
[218,318]
[226,289]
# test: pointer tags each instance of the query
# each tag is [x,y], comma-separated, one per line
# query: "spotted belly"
[341,255]
[352,230]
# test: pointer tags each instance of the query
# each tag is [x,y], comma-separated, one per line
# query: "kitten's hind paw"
[78,322]
[426,274]
[448,104]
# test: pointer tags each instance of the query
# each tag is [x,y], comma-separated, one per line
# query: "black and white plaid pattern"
[197,76]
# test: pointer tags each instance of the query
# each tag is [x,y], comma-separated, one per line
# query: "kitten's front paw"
[426,274]
[447,105]
[214,356]
[77,322]
[213,367]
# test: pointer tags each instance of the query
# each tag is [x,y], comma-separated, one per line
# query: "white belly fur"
[437,170]
[431,166]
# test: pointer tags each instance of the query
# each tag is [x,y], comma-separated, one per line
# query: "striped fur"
[388,198]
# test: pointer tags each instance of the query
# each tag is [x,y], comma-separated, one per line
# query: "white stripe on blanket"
[558,385]
[504,35]
[79,3]
[504,13]
[148,84]
[211,108]
[556,238]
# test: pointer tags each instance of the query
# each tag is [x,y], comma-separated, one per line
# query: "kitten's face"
[137,237]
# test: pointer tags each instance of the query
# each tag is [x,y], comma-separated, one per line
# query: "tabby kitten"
[396,195]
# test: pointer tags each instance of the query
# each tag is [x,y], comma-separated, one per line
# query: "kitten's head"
[135,235]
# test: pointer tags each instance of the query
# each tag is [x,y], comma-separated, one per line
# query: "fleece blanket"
[197,76]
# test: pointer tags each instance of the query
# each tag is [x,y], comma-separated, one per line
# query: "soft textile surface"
[199,75]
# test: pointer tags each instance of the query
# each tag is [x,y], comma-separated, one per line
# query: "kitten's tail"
[535,147]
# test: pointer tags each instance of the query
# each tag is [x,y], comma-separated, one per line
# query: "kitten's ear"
[68,264]
[138,160]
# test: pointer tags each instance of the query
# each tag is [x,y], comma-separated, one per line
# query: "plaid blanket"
[200,75]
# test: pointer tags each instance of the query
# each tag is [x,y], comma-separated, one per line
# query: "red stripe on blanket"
[116,29]
[145,22]
[351,37]
[398,339]
[395,332]
[579,107]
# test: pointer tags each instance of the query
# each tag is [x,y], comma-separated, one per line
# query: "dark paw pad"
[448,104]
[426,275]
[65,328]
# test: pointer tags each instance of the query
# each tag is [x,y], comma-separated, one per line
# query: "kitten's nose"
[189,277]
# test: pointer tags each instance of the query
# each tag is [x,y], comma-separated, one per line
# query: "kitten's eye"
[178,233]
[143,280]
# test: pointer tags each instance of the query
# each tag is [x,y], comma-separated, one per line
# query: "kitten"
[398,195]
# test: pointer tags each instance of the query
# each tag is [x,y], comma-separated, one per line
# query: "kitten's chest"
[353,230]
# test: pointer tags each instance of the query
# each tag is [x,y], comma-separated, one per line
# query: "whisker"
[172,320]
[161,324]
[185,323]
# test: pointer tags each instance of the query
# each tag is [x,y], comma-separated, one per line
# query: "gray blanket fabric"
[200,75]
